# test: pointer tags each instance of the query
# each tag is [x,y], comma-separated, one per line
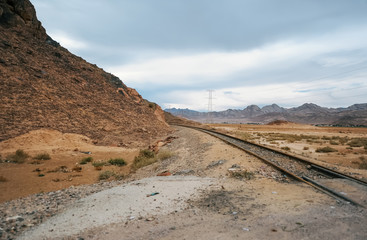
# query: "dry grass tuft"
[117,162]
[110,174]
[18,157]
[242,174]
[145,158]
[86,160]
[42,156]
[326,150]
[285,148]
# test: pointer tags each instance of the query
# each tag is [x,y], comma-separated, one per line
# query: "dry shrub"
[145,158]
[86,160]
[358,142]
[18,157]
[285,148]
[117,162]
[42,156]
[306,148]
[110,174]
[105,175]
[326,150]
[242,174]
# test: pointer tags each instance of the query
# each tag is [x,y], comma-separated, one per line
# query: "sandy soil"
[201,201]
[228,208]
[65,150]
[343,157]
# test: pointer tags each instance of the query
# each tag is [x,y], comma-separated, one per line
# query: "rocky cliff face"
[43,85]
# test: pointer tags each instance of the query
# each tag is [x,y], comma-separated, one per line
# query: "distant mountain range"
[308,113]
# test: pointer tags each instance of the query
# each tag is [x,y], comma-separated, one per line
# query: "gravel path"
[122,203]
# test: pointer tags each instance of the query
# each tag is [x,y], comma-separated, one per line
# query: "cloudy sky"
[287,52]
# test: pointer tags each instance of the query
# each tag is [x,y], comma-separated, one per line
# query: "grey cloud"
[205,24]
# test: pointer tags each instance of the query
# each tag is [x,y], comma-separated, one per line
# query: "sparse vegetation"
[285,148]
[326,150]
[145,158]
[105,175]
[358,142]
[332,142]
[242,174]
[243,135]
[18,157]
[109,174]
[99,164]
[42,156]
[117,162]
[86,160]
[306,148]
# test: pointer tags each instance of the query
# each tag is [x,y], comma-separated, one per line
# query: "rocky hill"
[43,85]
[308,113]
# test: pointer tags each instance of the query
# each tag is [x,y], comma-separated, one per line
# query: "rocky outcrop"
[20,14]
[43,85]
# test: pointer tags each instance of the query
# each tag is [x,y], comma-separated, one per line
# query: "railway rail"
[301,169]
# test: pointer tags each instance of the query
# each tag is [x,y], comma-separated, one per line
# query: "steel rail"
[311,164]
[303,179]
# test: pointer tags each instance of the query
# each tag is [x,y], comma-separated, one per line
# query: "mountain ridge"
[308,113]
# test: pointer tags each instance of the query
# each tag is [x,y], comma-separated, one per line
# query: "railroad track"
[331,182]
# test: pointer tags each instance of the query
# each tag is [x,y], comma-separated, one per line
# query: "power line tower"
[210,106]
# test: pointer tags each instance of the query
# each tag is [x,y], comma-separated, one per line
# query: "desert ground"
[199,199]
[349,144]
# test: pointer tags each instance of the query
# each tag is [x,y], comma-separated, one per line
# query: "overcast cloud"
[250,52]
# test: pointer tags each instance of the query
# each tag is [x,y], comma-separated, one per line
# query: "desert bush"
[306,148]
[326,150]
[99,164]
[145,158]
[18,157]
[105,175]
[147,153]
[358,142]
[42,156]
[117,162]
[3,179]
[86,160]
[285,148]
[242,174]
[332,142]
